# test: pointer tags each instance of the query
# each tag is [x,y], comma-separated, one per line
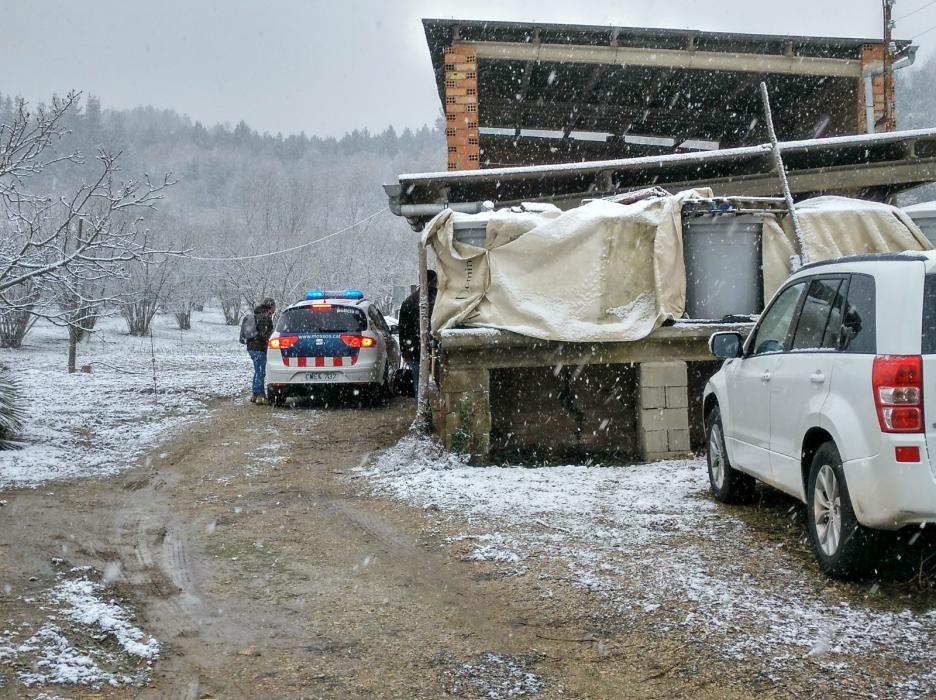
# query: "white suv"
[827,400]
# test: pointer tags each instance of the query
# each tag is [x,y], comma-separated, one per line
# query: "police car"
[331,339]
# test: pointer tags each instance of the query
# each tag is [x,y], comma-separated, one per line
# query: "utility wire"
[922,7]
[925,31]
[286,250]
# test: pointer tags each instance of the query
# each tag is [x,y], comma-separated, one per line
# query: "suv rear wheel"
[843,547]
[727,483]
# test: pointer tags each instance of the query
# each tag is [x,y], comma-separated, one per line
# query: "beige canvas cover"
[834,227]
[615,272]
[600,272]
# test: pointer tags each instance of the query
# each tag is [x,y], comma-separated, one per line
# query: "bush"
[11,413]
[17,319]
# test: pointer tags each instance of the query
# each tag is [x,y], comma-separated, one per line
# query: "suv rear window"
[820,316]
[336,319]
[929,315]
[859,334]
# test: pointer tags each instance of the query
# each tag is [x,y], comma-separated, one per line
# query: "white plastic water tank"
[924,216]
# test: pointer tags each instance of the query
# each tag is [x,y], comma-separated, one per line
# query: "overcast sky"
[326,66]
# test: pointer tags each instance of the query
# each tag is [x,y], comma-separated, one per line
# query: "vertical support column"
[466,412]
[461,108]
[663,418]
[873,57]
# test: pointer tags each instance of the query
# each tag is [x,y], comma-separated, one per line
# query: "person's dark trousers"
[259,363]
[414,365]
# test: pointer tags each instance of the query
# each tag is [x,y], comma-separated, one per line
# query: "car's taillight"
[897,382]
[281,342]
[358,341]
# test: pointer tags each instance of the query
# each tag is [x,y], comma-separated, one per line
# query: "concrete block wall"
[461,108]
[663,413]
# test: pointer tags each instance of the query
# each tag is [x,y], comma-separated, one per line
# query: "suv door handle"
[765,377]
[817,377]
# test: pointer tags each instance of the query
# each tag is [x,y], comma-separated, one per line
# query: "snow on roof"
[700,157]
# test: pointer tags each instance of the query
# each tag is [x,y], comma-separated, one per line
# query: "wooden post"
[423,422]
[72,331]
[781,172]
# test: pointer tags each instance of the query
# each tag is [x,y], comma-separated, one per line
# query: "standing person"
[409,324]
[257,347]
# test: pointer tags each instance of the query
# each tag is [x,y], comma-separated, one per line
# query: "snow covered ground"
[95,424]
[658,551]
[89,639]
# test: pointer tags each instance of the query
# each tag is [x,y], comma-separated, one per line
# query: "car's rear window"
[335,319]
[859,333]
[929,315]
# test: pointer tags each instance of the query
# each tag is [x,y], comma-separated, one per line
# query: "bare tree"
[67,249]
[142,290]
[15,322]
[231,299]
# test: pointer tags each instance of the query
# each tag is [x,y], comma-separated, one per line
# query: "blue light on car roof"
[323,294]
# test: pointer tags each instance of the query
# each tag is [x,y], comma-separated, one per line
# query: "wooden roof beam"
[667,58]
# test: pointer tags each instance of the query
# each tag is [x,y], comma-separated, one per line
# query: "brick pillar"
[663,419]
[461,108]
[875,55]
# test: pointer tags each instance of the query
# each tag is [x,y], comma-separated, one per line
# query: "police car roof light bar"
[316,294]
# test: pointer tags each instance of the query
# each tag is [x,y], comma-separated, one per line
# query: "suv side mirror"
[726,345]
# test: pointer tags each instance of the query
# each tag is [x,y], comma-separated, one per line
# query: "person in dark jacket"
[409,324]
[257,347]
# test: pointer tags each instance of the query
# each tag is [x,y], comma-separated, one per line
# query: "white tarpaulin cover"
[834,227]
[614,272]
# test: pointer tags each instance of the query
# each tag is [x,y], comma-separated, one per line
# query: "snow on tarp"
[606,271]
[835,227]
[600,272]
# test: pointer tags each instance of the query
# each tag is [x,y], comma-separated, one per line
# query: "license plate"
[320,376]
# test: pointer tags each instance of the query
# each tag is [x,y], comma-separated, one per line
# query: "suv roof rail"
[913,256]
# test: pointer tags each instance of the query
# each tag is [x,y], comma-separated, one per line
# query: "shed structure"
[561,113]
[533,94]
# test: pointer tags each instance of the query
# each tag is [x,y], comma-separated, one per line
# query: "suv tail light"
[358,341]
[897,382]
[281,342]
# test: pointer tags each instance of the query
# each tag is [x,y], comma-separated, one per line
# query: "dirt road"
[251,553]
[263,575]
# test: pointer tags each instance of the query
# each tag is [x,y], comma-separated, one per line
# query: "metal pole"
[423,423]
[781,171]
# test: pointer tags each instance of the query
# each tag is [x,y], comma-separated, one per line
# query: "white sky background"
[327,67]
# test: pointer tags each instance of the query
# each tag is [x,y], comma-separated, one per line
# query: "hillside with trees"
[215,192]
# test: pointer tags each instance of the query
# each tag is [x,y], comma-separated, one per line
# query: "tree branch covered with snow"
[62,253]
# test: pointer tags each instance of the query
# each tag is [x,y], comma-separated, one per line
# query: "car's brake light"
[321,307]
[358,341]
[897,383]
[281,342]
[907,453]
